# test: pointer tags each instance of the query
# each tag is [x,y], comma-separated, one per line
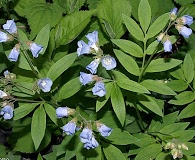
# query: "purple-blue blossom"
[13,56]
[93,40]
[3,37]
[85,78]
[45,84]
[186,19]
[99,89]
[69,128]
[7,112]
[108,62]
[92,67]
[167,46]
[62,112]
[91,144]
[10,27]
[83,48]
[185,32]
[35,49]
[104,130]
[174,11]
[2,94]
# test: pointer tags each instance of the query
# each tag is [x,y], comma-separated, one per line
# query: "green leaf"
[158,25]
[112,153]
[162,64]
[71,26]
[152,48]
[177,85]
[51,112]
[38,126]
[149,152]
[127,62]
[118,104]
[120,137]
[188,68]
[133,28]
[61,65]
[184,136]
[129,47]
[150,103]
[188,111]
[23,110]
[69,89]
[110,11]
[39,157]
[43,37]
[178,74]
[183,98]
[158,87]
[125,83]
[144,14]
[182,2]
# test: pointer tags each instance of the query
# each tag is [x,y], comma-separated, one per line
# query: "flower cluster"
[87,135]
[107,61]
[176,147]
[10,34]
[179,25]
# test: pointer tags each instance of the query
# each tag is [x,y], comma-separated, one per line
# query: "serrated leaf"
[38,126]
[71,26]
[61,65]
[188,68]
[133,28]
[162,64]
[51,112]
[127,62]
[188,111]
[129,47]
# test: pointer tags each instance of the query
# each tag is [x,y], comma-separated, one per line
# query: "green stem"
[139,117]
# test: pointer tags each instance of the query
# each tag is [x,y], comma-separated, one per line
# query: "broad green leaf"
[125,83]
[162,64]
[51,112]
[129,47]
[158,25]
[188,111]
[120,137]
[64,145]
[178,74]
[144,14]
[150,103]
[152,48]
[149,152]
[181,2]
[187,9]
[71,26]
[177,85]
[38,126]
[61,65]
[43,37]
[127,62]
[23,110]
[133,28]
[118,104]
[69,89]
[158,87]
[110,11]
[39,157]
[188,68]
[112,153]
[183,98]
[184,136]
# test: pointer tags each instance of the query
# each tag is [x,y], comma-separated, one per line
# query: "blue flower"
[173,15]
[62,112]
[91,143]
[99,89]
[69,128]
[174,11]
[13,56]
[85,78]
[35,49]
[83,48]
[108,62]
[10,26]
[183,30]
[186,19]
[93,40]
[7,112]
[104,130]
[2,94]
[6,73]
[167,46]
[92,67]
[3,37]
[45,84]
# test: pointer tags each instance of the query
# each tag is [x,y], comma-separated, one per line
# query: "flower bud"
[173,14]
[184,146]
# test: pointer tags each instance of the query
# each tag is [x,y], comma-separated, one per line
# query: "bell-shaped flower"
[69,128]
[167,46]
[85,78]
[10,26]
[45,84]
[173,13]
[108,62]
[13,56]
[83,48]
[99,89]
[3,37]
[183,30]
[92,67]
[2,94]
[186,19]
[93,40]
[64,112]
[91,144]
[35,49]
[7,112]
[104,130]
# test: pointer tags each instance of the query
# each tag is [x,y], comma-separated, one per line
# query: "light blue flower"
[62,112]
[35,49]
[6,74]
[99,89]
[3,37]
[69,128]
[167,46]
[85,78]
[91,144]
[174,11]
[13,56]
[108,62]
[10,26]
[93,40]
[104,130]
[186,19]
[83,48]
[92,67]
[7,112]
[185,32]
[45,84]
[2,94]
[173,15]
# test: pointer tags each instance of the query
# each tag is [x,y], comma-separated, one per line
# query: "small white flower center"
[43,83]
[107,61]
